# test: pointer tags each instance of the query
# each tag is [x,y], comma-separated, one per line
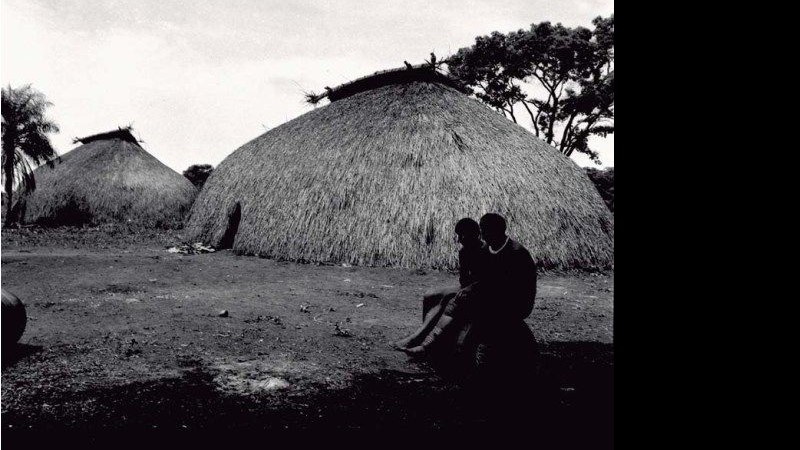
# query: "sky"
[197,79]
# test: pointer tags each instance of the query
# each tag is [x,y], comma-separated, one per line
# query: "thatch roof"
[382,176]
[109,179]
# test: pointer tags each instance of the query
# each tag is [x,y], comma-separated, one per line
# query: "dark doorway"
[233,227]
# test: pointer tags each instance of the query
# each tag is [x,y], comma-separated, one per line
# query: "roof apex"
[409,73]
[123,133]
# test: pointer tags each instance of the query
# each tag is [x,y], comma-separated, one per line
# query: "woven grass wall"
[381,178]
[108,181]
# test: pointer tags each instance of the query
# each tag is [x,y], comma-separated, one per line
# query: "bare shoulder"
[517,246]
[520,249]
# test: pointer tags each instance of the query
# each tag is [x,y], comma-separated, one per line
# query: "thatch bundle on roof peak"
[422,72]
[381,176]
[125,134]
[110,178]
[408,74]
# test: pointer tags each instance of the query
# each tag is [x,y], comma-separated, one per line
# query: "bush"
[604,182]
[198,174]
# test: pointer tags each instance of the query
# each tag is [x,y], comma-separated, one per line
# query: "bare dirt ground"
[123,335]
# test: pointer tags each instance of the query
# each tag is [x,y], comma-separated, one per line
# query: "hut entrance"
[233,227]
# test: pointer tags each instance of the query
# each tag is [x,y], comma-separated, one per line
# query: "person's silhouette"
[470,265]
[505,356]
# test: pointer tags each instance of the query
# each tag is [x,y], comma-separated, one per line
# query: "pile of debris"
[191,249]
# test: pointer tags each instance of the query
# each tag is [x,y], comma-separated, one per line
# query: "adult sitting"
[506,352]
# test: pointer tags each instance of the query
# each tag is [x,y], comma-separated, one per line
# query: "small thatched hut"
[381,175]
[110,178]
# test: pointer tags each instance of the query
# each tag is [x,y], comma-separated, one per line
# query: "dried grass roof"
[108,180]
[381,177]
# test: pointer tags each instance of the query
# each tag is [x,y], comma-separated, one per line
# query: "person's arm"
[524,278]
[466,270]
[473,289]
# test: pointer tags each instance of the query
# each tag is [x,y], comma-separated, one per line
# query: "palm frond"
[26,143]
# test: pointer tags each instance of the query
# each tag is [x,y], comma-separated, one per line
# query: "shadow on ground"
[571,400]
[15,353]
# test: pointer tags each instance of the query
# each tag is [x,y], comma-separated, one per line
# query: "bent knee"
[429,301]
[432,297]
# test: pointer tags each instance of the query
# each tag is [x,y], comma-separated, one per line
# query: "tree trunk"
[553,112]
[8,171]
[511,111]
[564,147]
[533,119]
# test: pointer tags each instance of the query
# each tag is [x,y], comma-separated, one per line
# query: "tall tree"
[26,143]
[562,77]
[198,174]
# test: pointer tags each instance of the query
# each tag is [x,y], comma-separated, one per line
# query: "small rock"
[339,331]
[223,313]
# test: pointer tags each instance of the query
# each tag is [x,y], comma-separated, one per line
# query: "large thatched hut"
[381,175]
[109,178]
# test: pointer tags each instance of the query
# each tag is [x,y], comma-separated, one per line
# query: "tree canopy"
[198,174]
[562,77]
[26,143]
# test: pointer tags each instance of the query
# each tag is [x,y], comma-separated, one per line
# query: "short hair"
[468,226]
[493,221]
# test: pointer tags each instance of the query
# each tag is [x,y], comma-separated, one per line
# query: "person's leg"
[528,350]
[430,301]
[438,333]
[508,379]
[434,299]
[480,385]
[419,335]
[433,306]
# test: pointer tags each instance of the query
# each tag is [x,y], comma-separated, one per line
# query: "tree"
[563,77]
[198,174]
[604,182]
[26,143]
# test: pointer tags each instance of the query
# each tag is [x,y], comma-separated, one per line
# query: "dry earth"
[124,335]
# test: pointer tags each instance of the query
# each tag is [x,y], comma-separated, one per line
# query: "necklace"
[494,252]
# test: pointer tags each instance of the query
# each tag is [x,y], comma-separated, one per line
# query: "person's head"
[493,229]
[468,231]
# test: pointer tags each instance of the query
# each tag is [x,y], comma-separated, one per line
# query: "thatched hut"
[109,178]
[381,175]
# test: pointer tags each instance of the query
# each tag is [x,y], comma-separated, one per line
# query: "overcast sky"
[200,78]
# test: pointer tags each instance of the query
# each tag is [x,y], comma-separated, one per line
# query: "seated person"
[470,257]
[506,344]
[492,309]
